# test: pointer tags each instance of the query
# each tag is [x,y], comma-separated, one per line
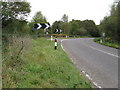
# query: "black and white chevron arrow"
[58,31]
[42,26]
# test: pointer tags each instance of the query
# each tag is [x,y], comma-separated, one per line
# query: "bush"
[14,48]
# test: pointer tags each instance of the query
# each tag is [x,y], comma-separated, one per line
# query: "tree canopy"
[65,18]
[13,16]
[77,27]
[39,18]
[15,10]
[111,24]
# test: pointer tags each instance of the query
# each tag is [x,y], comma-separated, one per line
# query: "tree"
[65,24]
[91,28]
[13,16]
[65,18]
[56,25]
[110,24]
[74,27]
[15,10]
[39,18]
[82,32]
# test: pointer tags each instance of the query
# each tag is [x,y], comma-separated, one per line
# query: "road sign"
[42,26]
[58,31]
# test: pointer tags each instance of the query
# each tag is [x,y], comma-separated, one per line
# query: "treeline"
[77,27]
[71,28]
[110,25]
[14,14]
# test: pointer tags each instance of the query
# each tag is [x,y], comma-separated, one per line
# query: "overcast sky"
[75,9]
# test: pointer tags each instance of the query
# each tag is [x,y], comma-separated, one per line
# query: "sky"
[53,10]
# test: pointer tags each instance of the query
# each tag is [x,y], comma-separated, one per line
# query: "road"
[98,61]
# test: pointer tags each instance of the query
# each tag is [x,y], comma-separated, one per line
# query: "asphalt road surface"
[98,61]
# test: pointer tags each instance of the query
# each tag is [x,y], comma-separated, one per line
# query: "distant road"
[100,62]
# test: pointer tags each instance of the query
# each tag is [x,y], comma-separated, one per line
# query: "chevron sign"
[58,31]
[42,26]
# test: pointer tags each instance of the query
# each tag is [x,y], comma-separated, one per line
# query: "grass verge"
[110,44]
[43,67]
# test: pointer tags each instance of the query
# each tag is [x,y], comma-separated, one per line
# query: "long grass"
[107,43]
[43,67]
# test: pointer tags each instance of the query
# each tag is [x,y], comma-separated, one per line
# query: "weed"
[44,67]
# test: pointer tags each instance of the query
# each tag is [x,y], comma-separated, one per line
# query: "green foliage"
[39,18]
[13,17]
[65,18]
[56,25]
[12,26]
[110,24]
[108,42]
[64,26]
[74,27]
[12,10]
[77,27]
[82,32]
[91,28]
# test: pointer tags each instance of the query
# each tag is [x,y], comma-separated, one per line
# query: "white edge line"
[88,76]
[62,45]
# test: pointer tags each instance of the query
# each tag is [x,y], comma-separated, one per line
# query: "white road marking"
[62,46]
[88,76]
[104,51]
[96,85]
[83,72]
[61,43]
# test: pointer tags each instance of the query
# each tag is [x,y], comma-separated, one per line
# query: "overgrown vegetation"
[107,43]
[13,17]
[110,25]
[77,28]
[39,66]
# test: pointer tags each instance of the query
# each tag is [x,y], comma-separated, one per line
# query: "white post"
[51,38]
[103,37]
[66,36]
[55,47]
[100,41]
